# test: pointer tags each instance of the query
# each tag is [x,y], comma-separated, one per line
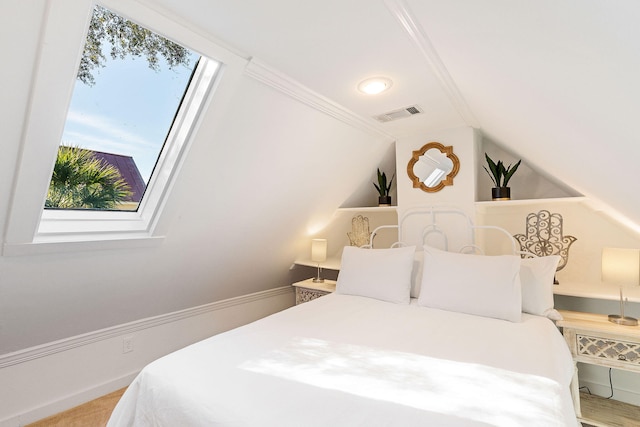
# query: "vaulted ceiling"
[554,82]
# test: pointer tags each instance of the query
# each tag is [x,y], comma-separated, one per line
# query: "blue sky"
[128,111]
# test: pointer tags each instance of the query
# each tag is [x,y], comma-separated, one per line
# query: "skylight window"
[162,113]
[129,88]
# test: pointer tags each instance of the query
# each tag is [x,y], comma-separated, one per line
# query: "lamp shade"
[621,266]
[318,250]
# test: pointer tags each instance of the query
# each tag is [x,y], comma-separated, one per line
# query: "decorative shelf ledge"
[329,264]
[597,291]
[369,209]
[495,203]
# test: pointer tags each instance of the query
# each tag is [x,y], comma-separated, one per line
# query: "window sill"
[87,244]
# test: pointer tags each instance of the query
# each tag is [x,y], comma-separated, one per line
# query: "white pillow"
[536,275]
[383,274]
[486,286]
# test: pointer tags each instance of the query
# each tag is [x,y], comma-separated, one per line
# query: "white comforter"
[352,361]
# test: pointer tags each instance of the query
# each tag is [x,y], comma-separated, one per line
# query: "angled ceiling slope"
[554,82]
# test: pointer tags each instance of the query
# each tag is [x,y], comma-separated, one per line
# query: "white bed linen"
[344,360]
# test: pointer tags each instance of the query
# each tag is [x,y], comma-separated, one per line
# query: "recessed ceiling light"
[374,85]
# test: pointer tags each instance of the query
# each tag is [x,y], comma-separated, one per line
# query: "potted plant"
[500,175]
[383,188]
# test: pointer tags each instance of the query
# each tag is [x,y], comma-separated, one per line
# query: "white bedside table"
[594,340]
[306,290]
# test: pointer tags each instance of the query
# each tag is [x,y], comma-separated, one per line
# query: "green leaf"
[80,181]
[509,172]
[501,172]
[382,186]
[390,183]
[495,173]
[378,188]
[126,39]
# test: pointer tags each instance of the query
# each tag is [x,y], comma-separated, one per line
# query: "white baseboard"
[68,402]
[50,378]
[604,390]
[66,344]
[626,385]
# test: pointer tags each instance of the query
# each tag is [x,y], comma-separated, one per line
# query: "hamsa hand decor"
[544,236]
[359,234]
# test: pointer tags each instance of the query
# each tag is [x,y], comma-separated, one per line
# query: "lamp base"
[623,320]
[318,280]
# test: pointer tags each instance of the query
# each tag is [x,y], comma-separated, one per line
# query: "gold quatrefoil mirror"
[432,167]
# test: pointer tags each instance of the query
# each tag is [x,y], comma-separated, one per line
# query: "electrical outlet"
[127,344]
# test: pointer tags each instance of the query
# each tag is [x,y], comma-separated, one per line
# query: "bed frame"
[434,220]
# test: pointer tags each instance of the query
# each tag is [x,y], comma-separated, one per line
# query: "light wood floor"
[95,413]
[91,414]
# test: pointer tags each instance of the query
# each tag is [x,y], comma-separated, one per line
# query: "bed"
[413,336]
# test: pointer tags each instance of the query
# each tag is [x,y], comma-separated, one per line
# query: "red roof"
[128,170]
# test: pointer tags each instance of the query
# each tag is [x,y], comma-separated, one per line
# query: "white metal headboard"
[433,218]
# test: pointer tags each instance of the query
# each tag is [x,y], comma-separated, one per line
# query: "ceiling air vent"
[399,114]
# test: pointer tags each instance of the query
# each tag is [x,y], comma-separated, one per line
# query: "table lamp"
[621,267]
[318,255]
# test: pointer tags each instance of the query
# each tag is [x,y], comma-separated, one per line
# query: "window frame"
[54,222]
[32,229]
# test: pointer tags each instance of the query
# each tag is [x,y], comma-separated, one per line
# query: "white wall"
[259,178]
[462,192]
[594,230]
[582,275]
[269,166]
[48,379]
[528,182]
[256,185]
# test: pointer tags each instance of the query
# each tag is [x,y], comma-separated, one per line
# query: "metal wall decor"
[544,236]
[359,234]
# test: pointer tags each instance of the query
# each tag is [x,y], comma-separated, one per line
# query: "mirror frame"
[448,180]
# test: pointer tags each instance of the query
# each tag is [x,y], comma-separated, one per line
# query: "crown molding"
[400,10]
[286,85]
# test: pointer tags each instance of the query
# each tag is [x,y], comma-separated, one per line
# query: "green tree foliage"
[82,181]
[125,38]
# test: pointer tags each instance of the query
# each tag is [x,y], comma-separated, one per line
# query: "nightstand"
[306,290]
[594,340]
